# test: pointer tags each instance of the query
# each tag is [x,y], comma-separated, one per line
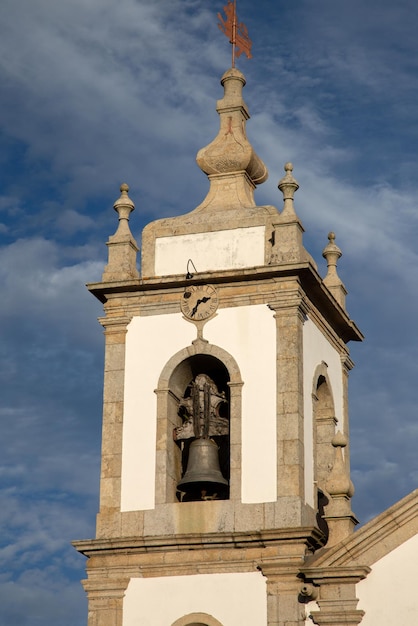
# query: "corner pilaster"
[105,601]
[283,586]
[337,595]
[115,329]
[290,312]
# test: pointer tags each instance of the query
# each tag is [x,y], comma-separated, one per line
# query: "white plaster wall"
[232,599]
[224,249]
[150,343]
[248,334]
[388,595]
[316,348]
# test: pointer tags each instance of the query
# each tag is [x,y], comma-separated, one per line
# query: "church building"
[225,492]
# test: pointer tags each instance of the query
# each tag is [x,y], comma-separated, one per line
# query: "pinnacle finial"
[124,205]
[338,513]
[332,251]
[288,185]
[331,254]
[339,483]
[122,247]
[230,160]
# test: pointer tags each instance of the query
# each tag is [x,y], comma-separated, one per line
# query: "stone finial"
[339,483]
[122,247]
[288,230]
[331,254]
[230,161]
[340,489]
[288,185]
[124,207]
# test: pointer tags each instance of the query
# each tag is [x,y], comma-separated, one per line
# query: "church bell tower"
[225,456]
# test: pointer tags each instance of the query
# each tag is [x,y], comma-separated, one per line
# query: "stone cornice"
[336,575]
[307,275]
[311,537]
[374,540]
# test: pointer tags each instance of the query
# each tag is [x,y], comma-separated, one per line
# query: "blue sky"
[97,93]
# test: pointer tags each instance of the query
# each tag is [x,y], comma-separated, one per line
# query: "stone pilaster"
[113,393]
[105,599]
[337,595]
[290,310]
[283,586]
[235,481]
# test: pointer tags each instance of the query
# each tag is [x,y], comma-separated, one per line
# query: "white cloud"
[97,93]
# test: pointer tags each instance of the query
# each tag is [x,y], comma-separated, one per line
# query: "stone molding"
[348,562]
[305,272]
[337,594]
[375,539]
[311,536]
[98,589]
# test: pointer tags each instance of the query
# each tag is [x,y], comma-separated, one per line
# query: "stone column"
[290,310]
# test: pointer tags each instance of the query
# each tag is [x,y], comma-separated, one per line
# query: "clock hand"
[196,306]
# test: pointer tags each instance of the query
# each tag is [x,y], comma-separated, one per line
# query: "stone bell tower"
[225,457]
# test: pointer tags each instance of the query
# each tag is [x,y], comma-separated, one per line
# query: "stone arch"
[173,380]
[197,619]
[324,425]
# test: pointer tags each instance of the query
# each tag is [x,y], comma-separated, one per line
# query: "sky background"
[93,94]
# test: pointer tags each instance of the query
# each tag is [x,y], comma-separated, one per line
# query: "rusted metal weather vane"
[237,33]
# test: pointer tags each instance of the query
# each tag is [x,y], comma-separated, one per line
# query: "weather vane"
[237,33]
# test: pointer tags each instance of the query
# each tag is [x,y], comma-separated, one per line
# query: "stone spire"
[332,253]
[339,516]
[122,247]
[233,167]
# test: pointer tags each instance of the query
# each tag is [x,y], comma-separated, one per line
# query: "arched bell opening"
[203,434]
[173,391]
[324,425]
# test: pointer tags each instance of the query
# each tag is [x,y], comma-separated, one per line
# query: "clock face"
[199,302]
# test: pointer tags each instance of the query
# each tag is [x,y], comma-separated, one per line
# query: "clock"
[199,302]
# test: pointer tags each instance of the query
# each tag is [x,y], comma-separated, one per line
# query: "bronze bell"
[203,477]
